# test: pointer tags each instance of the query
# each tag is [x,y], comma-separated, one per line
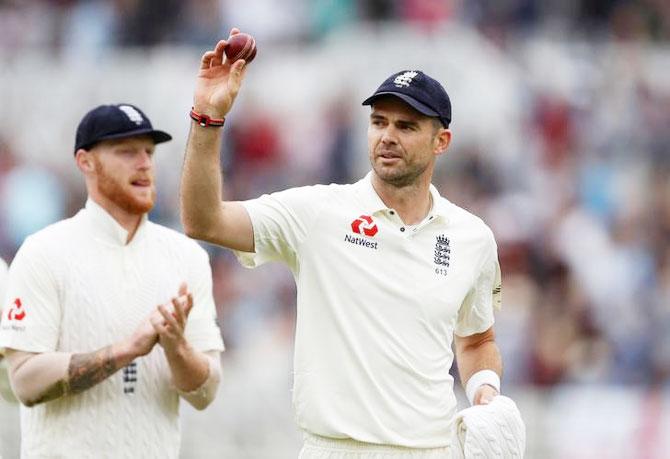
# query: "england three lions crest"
[442,250]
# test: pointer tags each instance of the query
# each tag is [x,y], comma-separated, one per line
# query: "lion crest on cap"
[132,114]
[404,79]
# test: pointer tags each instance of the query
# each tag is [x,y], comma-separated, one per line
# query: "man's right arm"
[42,377]
[205,215]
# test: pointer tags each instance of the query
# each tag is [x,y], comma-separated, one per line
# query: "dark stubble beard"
[112,190]
[400,178]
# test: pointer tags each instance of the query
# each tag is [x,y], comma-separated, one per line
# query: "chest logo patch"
[16,311]
[364,225]
[442,250]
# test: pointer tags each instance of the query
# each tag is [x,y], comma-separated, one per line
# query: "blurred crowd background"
[561,126]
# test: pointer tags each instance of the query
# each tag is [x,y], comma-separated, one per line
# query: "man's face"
[124,173]
[402,143]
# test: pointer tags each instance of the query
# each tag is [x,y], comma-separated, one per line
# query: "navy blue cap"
[115,122]
[423,93]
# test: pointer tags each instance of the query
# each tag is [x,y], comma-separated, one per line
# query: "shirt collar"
[107,228]
[372,203]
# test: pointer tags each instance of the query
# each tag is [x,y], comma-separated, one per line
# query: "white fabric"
[32,374]
[6,392]
[478,379]
[493,431]
[316,447]
[202,396]
[375,313]
[5,389]
[3,283]
[77,287]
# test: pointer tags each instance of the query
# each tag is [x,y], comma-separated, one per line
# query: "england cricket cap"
[423,93]
[115,122]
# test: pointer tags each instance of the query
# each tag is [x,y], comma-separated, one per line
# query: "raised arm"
[205,215]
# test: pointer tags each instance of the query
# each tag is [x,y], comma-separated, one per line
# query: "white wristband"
[489,377]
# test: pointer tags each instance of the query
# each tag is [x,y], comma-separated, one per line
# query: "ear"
[442,141]
[84,160]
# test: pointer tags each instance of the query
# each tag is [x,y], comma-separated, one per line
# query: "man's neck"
[128,221]
[412,202]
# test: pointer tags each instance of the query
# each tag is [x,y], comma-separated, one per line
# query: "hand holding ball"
[241,46]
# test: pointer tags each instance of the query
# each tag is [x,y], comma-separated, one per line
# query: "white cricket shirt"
[76,286]
[378,305]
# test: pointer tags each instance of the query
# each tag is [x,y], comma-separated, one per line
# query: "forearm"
[482,356]
[39,378]
[189,367]
[205,393]
[201,183]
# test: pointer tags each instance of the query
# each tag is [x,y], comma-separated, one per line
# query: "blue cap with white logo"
[423,93]
[118,121]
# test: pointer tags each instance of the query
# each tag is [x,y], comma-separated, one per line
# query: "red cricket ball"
[241,46]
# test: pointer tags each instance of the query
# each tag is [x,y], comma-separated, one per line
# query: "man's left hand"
[170,322]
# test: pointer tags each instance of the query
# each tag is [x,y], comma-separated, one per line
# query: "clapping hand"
[169,321]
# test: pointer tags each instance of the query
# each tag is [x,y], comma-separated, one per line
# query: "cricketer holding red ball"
[388,274]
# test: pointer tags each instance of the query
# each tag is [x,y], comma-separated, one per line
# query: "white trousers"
[317,447]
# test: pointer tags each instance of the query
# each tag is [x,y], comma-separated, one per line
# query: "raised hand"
[218,81]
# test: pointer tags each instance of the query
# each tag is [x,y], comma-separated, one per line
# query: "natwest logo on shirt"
[16,311]
[364,225]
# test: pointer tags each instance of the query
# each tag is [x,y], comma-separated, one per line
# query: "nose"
[145,160]
[388,136]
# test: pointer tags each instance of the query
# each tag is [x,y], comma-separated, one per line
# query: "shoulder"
[42,253]
[57,236]
[469,222]
[315,192]
[306,201]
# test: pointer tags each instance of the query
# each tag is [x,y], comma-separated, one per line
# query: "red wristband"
[204,120]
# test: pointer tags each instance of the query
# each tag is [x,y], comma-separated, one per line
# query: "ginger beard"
[112,189]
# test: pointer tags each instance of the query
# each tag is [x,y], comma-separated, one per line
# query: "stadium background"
[561,143]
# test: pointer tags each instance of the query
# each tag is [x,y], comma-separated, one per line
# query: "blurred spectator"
[378,10]
[254,152]
[327,16]
[148,22]
[269,21]
[427,14]
[340,149]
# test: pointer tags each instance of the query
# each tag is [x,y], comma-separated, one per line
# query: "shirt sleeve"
[31,312]
[281,222]
[202,330]
[476,312]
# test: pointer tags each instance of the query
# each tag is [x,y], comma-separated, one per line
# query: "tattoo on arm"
[84,371]
[87,370]
[56,390]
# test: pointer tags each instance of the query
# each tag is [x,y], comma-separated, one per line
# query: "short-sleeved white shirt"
[76,286]
[378,304]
